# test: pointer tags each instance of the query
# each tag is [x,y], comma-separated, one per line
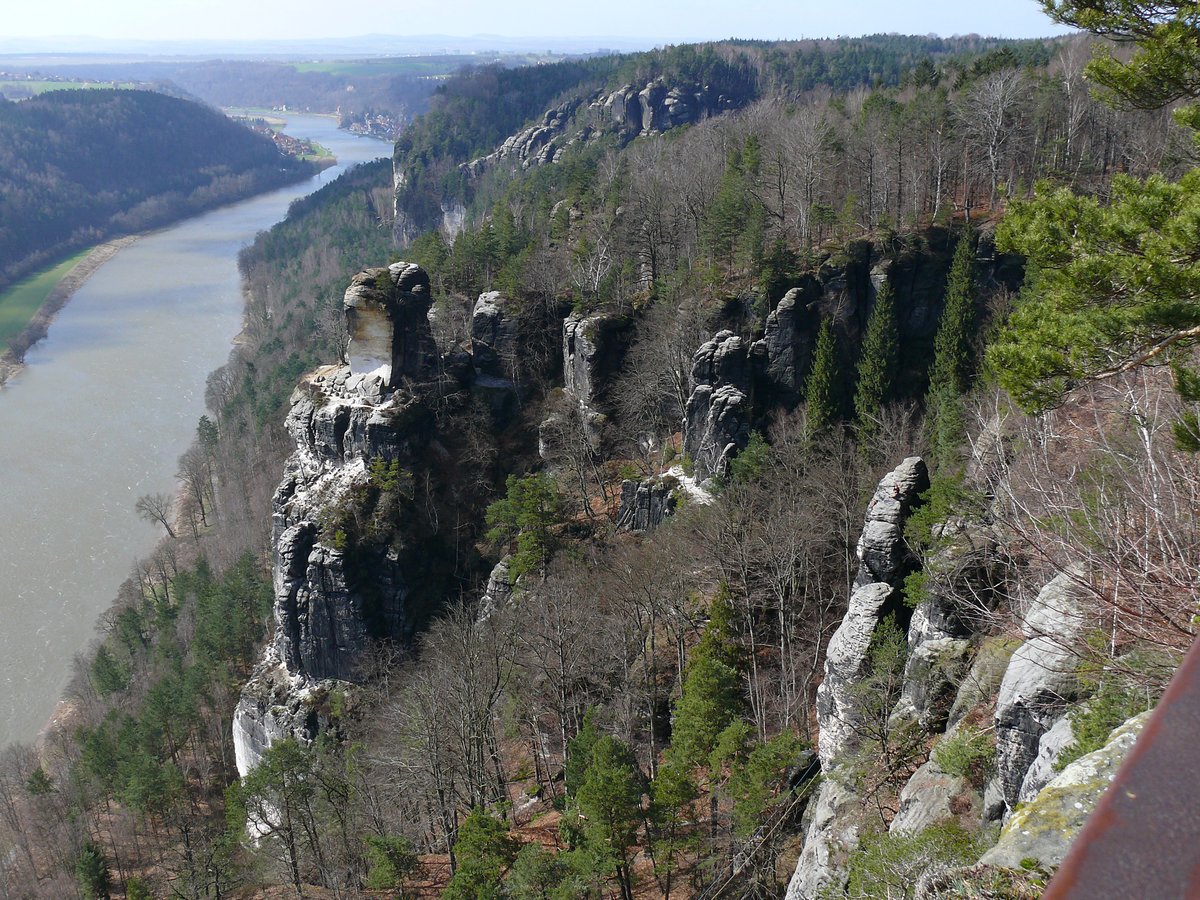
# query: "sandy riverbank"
[12,360]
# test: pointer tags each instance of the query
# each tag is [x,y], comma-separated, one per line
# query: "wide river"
[99,416]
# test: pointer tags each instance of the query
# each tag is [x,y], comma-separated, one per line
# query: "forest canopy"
[77,167]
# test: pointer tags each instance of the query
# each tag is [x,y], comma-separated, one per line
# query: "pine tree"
[610,804]
[91,870]
[877,366]
[954,343]
[821,388]
[953,358]
[483,851]
[710,698]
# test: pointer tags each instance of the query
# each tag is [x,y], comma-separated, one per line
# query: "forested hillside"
[77,167]
[776,491]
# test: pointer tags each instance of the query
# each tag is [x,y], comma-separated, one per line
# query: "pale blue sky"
[657,20]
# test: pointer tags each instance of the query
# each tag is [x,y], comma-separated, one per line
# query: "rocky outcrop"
[328,608]
[628,112]
[499,589]
[784,353]
[495,334]
[718,416]
[593,348]
[831,829]
[959,586]
[387,315]
[933,796]
[932,674]
[1040,680]
[884,561]
[1043,829]
[646,504]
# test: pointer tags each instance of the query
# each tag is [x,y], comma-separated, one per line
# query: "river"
[99,416]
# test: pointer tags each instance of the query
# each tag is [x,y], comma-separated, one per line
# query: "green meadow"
[20,302]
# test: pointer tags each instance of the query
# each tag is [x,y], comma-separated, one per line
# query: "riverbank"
[12,359]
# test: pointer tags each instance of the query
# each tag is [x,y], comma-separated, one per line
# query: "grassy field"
[19,303]
[23,88]
[319,152]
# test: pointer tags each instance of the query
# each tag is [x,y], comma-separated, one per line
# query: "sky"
[656,21]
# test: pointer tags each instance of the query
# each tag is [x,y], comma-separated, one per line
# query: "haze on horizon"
[628,20]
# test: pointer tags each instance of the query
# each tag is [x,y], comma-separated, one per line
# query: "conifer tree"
[91,870]
[610,803]
[483,851]
[877,366]
[821,388]
[954,343]
[953,357]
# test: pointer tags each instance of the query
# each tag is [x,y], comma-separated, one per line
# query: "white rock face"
[832,834]
[1039,681]
[845,663]
[371,329]
[1044,828]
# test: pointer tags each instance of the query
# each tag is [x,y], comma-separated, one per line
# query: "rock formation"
[646,504]
[343,419]
[387,316]
[1040,680]
[718,416]
[494,337]
[1043,829]
[883,563]
[784,352]
[628,112]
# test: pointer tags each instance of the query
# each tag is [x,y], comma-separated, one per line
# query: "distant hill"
[77,167]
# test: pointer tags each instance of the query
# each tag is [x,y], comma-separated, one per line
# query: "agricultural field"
[22,301]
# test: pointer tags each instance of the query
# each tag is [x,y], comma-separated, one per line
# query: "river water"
[99,416]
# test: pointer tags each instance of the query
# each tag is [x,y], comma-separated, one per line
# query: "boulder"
[931,796]
[1043,829]
[1040,680]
